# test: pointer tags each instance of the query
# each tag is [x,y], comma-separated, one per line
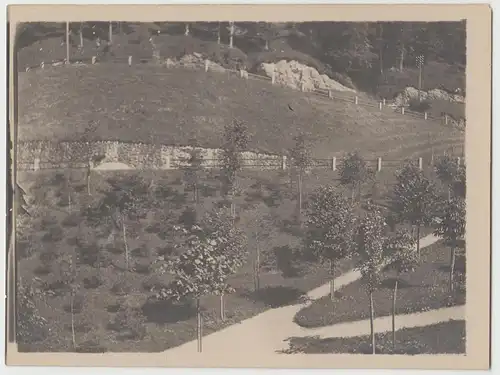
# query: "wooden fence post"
[167,162]
[356,100]
[273,77]
[425,115]
[303,87]
[330,96]
[379,164]
[283,162]
[334,163]
[446,119]
[380,106]
[36,164]
[206,65]
[420,163]
[42,65]
[130,61]
[93,60]
[383,101]
[402,110]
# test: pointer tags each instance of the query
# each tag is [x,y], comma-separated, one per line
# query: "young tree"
[459,184]
[414,198]
[121,206]
[30,325]
[447,170]
[229,245]
[258,224]
[192,173]
[400,251]
[354,172]
[370,249]
[451,227]
[300,159]
[90,157]
[331,228]
[236,138]
[199,271]
[69,277]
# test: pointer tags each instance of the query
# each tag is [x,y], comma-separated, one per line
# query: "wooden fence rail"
[383,104]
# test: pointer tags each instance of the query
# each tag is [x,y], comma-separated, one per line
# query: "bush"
[71,220]
[31,327]
[129,323]
[121,288]
[90,346]
[54,234]
[419,105]
[92,282]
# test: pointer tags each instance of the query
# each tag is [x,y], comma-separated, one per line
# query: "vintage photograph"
[239,187]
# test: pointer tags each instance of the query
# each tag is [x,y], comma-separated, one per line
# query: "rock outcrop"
[404,98]
[299,76]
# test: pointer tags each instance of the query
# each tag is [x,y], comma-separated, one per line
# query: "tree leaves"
[370,248]
[414,196]
[211,254]
[451,222]
[330,224]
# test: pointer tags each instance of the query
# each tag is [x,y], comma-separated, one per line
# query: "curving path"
[268,332]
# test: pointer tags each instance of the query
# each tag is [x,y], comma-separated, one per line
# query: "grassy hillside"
[152,104]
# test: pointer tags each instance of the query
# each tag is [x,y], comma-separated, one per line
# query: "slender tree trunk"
[218,34]
[126,246]
[199,325]
[88,181]
[110,32]
[394,315]
[372,331]
[73,336]
[332,280]
[69,203]
[266,47]
[231,34]
[300,198]
[81,37]
[186,29]
[195,192]
[452,267]
[222,308]
[257,268]
[418,241]
[402,58]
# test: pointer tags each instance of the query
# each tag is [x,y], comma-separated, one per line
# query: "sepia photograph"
[243,188]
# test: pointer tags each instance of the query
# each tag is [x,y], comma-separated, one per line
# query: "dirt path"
[267,332]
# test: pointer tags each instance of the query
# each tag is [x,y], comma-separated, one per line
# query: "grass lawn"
[442,338]
[424,289]
[177,105]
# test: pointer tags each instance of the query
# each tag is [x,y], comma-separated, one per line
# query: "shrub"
[419,105]
[54,234]
[92,282]
[129,323]
[71,220]
[90,346]
[121,288]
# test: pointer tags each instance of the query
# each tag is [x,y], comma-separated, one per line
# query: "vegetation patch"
[442,338]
